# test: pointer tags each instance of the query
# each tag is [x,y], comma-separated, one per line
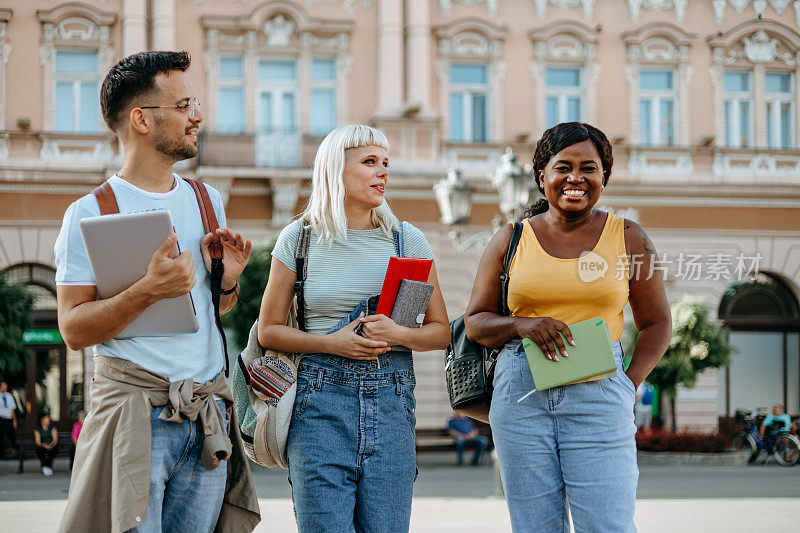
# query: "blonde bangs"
[325,210]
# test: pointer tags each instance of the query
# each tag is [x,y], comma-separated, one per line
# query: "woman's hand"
[347,343]
[545,332]
[382,328]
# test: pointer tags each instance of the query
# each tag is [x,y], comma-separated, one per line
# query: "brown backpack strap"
[208,215]
[106,199]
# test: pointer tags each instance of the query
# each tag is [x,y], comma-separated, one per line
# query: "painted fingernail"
[572,343]
[555,358]
[564,353]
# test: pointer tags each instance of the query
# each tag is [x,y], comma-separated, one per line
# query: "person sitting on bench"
[465,434]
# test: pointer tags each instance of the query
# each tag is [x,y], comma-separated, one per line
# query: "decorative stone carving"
[563,47]
[644,162]
[586,5]
[491,5]
[77,27]
[3,149]
[739,5]
[348,6]
[659,49]
[749,165]
[469,44]
[278,31]
[719,10]
[779,5]
[337,42]
[759,48]
[52,150]
[635,6]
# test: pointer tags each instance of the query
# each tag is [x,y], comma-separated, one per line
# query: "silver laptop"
[119,248]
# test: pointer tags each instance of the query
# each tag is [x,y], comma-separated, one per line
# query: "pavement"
[448,498]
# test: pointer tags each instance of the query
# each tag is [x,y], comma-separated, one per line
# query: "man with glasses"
[159,450]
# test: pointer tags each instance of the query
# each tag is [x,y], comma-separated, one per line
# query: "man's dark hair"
[134,77]
[556,139]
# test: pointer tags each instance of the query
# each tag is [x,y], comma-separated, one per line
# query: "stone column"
[134,26]
[759,106]
[164,23]
[390,56]
[419,53]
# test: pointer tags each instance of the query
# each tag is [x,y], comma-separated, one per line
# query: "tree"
[16,303]
[251,288]
[697,343]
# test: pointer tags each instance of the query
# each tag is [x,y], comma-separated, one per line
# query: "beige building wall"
[392,61]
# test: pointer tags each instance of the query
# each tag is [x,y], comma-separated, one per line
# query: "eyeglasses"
[193,105]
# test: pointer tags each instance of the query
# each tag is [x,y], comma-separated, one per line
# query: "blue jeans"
[566,449]
[479,443]
[351,452]
[184,496]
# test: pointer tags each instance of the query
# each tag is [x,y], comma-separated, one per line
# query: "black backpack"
[469,366]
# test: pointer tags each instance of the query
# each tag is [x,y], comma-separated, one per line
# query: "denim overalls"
[352,461]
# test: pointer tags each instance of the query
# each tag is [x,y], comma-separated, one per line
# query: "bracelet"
[231,290]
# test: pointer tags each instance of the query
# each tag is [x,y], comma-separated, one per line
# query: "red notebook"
[401,268]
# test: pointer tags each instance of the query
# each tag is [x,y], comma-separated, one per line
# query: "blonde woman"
[351,441]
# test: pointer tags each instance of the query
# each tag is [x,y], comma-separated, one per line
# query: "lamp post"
[515,188]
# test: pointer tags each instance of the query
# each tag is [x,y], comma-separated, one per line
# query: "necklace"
[174,181]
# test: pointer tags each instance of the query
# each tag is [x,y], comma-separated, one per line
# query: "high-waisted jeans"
[566,449]
[351,453]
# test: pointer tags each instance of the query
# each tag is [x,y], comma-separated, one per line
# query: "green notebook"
[590,357]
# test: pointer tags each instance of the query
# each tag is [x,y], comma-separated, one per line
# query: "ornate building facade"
[699,98]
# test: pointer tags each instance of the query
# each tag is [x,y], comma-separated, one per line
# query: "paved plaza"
[465,499]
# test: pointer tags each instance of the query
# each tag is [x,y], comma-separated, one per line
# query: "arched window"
[41,281]
[764,317]
[470,71]
[564,73]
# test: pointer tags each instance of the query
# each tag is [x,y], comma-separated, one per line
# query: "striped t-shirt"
[342,275]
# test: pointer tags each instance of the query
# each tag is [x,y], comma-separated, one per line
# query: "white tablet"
[119,248]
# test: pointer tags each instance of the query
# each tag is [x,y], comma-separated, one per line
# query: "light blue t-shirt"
[342,275]
[193,355]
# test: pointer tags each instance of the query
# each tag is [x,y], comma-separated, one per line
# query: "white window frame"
[279,88]
[563,94]
[323,85]
[232,83]
[735,98]
[656,97]
[468,91]
[775,100]
[77,78]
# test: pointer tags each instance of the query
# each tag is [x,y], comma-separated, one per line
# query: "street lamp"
[515,188]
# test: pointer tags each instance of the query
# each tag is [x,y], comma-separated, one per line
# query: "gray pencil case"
[411,303]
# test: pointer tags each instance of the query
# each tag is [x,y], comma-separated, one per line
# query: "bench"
[27,448]
[439,440]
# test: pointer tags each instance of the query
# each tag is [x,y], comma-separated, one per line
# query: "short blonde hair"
[325,210]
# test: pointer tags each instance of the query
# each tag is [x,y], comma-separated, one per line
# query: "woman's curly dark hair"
[556,139]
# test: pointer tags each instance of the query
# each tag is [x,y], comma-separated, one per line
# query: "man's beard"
[177,149]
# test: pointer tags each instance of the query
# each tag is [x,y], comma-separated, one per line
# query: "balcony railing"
[263,149]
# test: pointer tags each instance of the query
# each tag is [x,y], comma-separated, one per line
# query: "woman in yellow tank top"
[569,450]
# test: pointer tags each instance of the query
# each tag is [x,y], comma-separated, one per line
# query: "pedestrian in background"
[8,420]
[46,439]
[568,449]
[76,432]
[465,435]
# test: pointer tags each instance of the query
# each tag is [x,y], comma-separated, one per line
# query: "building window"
[77,104]
[779,91]
[230,95]
[277,96]
[738,105]
[657,108]
[323,96]
[564,95]
[469,96]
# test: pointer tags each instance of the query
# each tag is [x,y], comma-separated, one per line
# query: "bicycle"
[785,447]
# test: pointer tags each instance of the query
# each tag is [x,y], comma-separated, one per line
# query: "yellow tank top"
[572,290]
